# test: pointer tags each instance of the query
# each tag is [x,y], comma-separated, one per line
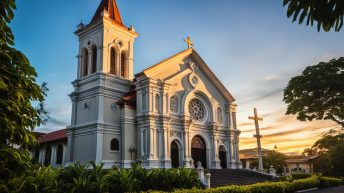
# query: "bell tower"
[104,76]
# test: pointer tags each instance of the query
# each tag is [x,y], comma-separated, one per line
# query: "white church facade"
[172,114]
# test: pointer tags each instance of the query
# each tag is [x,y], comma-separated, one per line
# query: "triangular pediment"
[181,65]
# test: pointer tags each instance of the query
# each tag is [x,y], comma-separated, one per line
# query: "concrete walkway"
[338,189]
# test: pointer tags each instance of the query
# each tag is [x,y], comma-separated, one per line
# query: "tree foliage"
[18,92]
[272,158]
[326,13]
[93,178]
[318,93]
[330,151]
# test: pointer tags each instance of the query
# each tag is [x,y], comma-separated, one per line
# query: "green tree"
[327,14]
[18,92]
[275,159]
[330,150]
[318,93]
[272,158]
[310,152]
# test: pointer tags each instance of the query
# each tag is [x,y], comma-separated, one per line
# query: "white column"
[99,143]
[44,151]
[89,63]
[142,150]
[79,69]
[131,59]
[228,153]
[165,154]
[151,143]
[161,146]
[166,103]
[41,152]
[229,117]
[118,64]
[215,159]
[187,150]
[139,102]
[64,155]
[237,150]
[231,150]
[99,67]
[53,155]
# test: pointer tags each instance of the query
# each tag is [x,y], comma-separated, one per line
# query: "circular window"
[196,110]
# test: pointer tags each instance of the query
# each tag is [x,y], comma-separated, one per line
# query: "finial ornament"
[189,42]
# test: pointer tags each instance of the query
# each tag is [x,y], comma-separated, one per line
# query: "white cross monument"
[258,136]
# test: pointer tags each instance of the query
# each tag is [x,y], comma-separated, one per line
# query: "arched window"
[114,144]
[94,59]
[123,65]
[219,115]
[113,59]
[174,104]
[59,152]
[47,159]
[85,62]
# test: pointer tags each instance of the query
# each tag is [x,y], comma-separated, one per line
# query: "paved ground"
[339,189]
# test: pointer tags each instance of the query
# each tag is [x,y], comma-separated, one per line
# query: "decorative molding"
[114,106]
[86,105]
[176,134]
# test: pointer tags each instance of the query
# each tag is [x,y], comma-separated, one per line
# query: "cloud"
[246,124]
[267,94]
[270,78]
[56,121]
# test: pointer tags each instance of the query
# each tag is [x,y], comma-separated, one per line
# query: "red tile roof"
[129,98]
[53,136]
[111,7]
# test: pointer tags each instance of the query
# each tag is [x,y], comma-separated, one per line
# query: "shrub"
[36,180]
[121,180]
[223,189]
[329,181]
[284,179]
[300,176]
[267,187]
[138,179]
[78,178]
[288,186]
[307,183]
[342,178]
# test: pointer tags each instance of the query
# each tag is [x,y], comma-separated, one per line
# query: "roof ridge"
[111,7]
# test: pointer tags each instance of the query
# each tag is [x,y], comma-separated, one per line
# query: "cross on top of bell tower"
[111,7]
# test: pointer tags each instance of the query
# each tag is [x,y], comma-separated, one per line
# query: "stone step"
[236,177]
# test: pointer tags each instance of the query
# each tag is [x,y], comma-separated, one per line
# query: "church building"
[172,114]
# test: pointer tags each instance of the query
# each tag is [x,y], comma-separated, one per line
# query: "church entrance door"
[198,151]
[174,154]
[222,156]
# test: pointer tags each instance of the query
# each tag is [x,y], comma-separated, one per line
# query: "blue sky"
[251,46]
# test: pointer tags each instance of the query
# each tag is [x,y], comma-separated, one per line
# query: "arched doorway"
[174,154]
[222,156]
[198,151]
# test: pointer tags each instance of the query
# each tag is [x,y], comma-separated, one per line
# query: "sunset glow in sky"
[251,46]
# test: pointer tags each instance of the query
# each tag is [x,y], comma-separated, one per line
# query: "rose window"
[196,110]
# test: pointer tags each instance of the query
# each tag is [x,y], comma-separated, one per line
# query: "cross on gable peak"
[189,42]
